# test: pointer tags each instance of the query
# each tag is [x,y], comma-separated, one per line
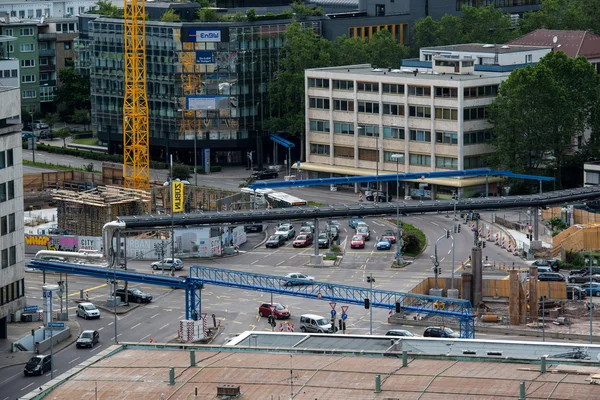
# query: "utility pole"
[454,197]
[172,212]
[370,279]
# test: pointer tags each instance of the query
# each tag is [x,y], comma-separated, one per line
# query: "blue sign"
[206,160]
[205,35]
[30,309]
[205,57]
[344,316]
[56,324]
[47,294]
[333,313]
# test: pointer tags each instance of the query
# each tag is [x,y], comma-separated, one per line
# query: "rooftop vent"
[227,391]
[505,47]
[487,46]
[376,70]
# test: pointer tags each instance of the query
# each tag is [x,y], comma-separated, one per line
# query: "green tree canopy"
[63,134]
[539,111]
[564,15]
[75,90]
[181,171]
[107,9]
[170,16]
[51,119]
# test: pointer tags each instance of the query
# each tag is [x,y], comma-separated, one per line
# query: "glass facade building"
[226,74]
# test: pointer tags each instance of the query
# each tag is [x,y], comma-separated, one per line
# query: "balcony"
[47,52]
[46,37]
[47,68]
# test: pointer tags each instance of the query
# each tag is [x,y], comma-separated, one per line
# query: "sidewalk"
[17,330]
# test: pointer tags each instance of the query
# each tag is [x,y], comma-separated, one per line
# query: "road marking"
[162,327]
[449,251]
[155,315]
[443,258]
[27,386]
[88,289]
[377,223]
[147,336]
[435,223]
[8,379]
[110,323]
[113,338]
[95,348]
[135,326]
[253,262]
[99,329]
[73,360]
[280,263]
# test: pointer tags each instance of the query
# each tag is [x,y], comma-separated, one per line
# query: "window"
[387,156]
[528,58]
[343,105]
[446,137]
[27,31]
[320,149]
[475,113]
[343,85]
[8,32]
[11,190]
[11,222]
[312,82]
[420,136]
[2,192]
[81,10]
[368,107]
[446,162]
[368,130]
[419,159]
[344,152]
[481,91]
[2,160]
[44,61]
[474,162]
[477,137]
[319,126]
[27,78]
[420,91]
[38,13]
[22,14]
[4,259]
[380,10]
[343,128]
[44,76]
[27,63]
[4,225]
[393,88]
[446,113]
[68,45]
[393,133]
[70,11]
[27,47]
[11,48]
[368,87]
[393,109]
[367,154]
[12,255]
[446,92]
[319,103]
[419,111]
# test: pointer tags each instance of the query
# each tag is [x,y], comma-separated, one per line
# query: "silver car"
[167,263]
[287,232]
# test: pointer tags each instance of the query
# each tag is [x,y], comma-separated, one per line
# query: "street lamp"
[195,141]
[399,260]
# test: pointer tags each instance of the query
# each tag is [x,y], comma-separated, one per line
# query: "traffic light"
[483,244]
[439,270]
[370,279]
[397,307]
[447,233]
[367,304]
[458,228]
[341,323]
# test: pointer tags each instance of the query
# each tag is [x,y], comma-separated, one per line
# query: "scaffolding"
[85,213]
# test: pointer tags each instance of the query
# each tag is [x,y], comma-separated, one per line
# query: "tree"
[81,117]
[170,16]
[349,51]
[51,119]
[75,90]
[207,15]
[564,15]
[63,134]
[251,15]
[383,51]
[181,171]
[532,128]
[107,9]
[302,11]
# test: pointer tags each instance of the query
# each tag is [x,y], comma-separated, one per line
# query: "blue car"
[354,221]
[384,244]
[591,289]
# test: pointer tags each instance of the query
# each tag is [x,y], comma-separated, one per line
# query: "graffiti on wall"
[45,242]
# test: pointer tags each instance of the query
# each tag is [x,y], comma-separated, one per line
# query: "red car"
[280,312]
[389,235]
[357,242]
[303,240]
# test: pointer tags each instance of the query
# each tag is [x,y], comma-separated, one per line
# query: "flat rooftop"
[484,48]
[142,372]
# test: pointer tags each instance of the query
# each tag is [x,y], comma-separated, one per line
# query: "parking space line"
[135,326]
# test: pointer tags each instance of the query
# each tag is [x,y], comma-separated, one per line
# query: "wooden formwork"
[197,198]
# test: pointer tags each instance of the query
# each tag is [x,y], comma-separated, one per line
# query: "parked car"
[296,278]
[253,228]
[275,241]
[333,231]
[134,294]
[38,365]
[583,278]
[440,332]
[382,197]
[27,135]
[284,225]
[364,231]
[399,332]
[87,339]
[383,244]
[55,230]
[335,224]
[73,131]
[264,174]
[551,277]
[87,311]
[353,221]
[287,231]
[595,271]
[550,263]
[307,229]
[46,134]
[357,242]
[39,124]
[280,311]
[389,234]
[575,293]
[308,224]
[167,263]
[591,289]
[323,240]
[303,240]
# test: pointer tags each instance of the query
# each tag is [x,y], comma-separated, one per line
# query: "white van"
[315,323]
[87,310]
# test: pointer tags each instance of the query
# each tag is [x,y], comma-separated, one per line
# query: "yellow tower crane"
[136,147]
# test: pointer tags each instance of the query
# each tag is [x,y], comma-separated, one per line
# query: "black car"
[275,241]
[595,271]
[382,197]
[46,134]
[265,174]
[87,339]
[551,277]
[323,240]
[440,332]
[134,294]
[38,365]
[575,293]
[253,228]
[583,278]
[547,263]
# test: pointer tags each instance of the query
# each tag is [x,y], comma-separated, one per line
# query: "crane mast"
[136,147]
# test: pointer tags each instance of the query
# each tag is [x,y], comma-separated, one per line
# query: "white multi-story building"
[48,8]
[358,117]
[12,272]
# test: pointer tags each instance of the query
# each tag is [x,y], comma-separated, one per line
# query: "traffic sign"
[344,316]
[47,293]
[56,324]
[344,309]
[30,308]
[319,295]
[333,304]
[333,313]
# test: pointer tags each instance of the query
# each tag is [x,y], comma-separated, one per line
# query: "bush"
[574,258]
[412,244]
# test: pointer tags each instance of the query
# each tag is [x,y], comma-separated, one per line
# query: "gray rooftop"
[484,48]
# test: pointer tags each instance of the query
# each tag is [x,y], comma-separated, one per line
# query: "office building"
[37,9]
[431,113]
[12,271]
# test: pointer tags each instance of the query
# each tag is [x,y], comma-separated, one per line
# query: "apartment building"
[36,9]
[433,116]
[12,271]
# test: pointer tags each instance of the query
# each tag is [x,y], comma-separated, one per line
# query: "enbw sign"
[177,196]
[208,35]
